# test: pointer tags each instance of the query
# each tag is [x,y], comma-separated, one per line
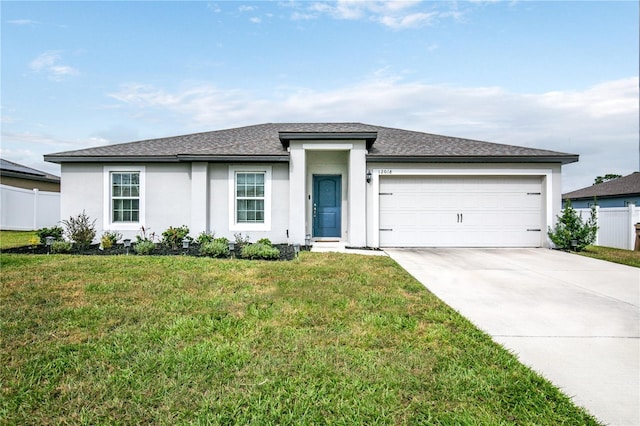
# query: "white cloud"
[255,20]
[245,8]
[49,63]
[393,14]
[22,22]
[599,123]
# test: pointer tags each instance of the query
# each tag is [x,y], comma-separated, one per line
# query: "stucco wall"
[219,208]
[552,169]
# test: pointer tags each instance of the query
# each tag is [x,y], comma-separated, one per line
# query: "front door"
[327,205]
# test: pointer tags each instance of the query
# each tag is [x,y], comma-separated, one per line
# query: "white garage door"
[460,211]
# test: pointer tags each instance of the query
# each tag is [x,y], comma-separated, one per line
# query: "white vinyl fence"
[28,209]
[615,225]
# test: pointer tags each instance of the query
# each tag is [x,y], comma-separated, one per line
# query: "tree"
[606,178]
[571,232]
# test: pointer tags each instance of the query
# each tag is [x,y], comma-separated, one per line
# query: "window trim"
[108,223]
[234,225]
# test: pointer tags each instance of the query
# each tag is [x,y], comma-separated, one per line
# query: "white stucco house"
[365,185]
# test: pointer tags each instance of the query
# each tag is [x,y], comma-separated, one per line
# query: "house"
[618,192]
[365,185]
[29,198]
[19,176]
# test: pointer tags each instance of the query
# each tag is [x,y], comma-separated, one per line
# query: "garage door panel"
[460,211]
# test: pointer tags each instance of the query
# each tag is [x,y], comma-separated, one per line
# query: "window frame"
[234,225]
[108,222]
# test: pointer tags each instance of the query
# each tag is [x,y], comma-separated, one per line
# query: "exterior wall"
[167,197]
[30,184]
[607,202]
[82,189]
[220,209]
[551,184]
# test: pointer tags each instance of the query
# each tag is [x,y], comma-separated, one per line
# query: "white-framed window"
[250,198]
[124,197]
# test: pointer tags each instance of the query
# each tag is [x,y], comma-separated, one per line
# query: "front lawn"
[9,239]
[327,339]
[625,257]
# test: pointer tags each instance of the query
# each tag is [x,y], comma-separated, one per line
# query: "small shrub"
[144,247]
[260,251]
[34,241]
[215,248]
[80,229]
[145,235]
[55,232]
[571,227]
[173,236]
[265,241]
[241,240]
[61,247]
[205,237]
[109,239]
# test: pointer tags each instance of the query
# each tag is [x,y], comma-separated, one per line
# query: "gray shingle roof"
[263,141]
[626,185]
[9,168]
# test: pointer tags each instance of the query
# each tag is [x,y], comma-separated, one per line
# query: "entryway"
[327,206]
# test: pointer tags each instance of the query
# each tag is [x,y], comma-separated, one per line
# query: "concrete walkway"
[573,319]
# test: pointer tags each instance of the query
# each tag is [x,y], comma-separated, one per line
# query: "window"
[125,195]
[250,198]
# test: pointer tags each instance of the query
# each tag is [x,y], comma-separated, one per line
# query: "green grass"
[625,257]
[326,339]
[10,239]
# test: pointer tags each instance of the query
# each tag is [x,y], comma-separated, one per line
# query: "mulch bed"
[287,252]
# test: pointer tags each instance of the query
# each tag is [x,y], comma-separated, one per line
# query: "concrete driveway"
[573,319]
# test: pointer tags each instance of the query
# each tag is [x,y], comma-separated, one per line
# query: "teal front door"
[327,205]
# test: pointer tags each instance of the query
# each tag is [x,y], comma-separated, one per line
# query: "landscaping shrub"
[173,236]
[80,229]
[109,239]
[145,235]
[205,237]
[219,247]
[55,232]
[61,247]
[260,251]
[265,241]
[571,227]
[241,240]
[144,247]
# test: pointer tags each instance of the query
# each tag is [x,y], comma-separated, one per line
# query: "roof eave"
[287,137]
[59,159]
[29,176]
[563,159]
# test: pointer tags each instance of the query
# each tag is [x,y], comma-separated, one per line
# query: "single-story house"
[618,192]
[365,185]
[19,176]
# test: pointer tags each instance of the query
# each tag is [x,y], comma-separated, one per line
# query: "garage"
[461,211]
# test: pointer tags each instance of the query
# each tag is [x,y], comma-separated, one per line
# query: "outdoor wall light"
[49,242]
[127,245]
[368,176]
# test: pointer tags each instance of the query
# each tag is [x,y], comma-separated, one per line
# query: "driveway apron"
[573,319]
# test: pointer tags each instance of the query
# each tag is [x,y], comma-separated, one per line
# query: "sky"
[551,75]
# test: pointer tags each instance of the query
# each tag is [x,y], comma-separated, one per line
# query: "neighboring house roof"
[268,142]
[623,186]
[15,170]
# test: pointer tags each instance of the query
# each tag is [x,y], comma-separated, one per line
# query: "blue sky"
[553,75]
